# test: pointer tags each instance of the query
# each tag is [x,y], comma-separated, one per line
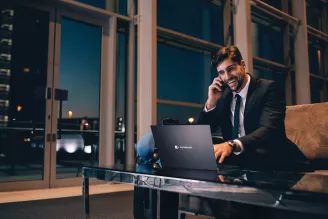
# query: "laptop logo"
[182,147]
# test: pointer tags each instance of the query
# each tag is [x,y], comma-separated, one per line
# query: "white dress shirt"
[243,95]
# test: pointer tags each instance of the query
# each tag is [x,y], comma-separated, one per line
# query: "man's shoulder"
[264,84]
[261,82]
[266,87]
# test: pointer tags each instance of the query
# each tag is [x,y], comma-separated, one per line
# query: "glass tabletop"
[298,191]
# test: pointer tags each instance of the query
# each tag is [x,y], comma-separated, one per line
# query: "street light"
[70,114]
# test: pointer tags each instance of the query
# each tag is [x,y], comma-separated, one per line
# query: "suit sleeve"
[271,123]
[211,118]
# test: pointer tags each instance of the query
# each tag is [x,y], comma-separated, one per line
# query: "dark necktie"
[236,118]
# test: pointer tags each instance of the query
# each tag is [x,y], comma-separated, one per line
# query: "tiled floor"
[31,195]
[44,194]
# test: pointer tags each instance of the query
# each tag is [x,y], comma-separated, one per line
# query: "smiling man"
[249,111]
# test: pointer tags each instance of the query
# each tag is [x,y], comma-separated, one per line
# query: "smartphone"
[223,87]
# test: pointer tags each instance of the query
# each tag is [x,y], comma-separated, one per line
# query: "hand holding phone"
[215,91]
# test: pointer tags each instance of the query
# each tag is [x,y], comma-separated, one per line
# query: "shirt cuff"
[241,146]
[206,110]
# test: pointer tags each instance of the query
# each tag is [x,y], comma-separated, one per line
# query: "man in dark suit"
[250,113]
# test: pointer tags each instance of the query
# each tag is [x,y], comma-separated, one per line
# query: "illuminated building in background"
[6,28]
[24,61]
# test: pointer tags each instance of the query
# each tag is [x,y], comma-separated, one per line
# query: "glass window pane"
[268,42]
[96,3]
[316,87]
[180,113]
[119,6]
[182,75]
[314,58]
[270,74]
[123,7]
[23,74]
[121,75]
[274,3]
[313,15]
[255,40]
[80,71]
[120,98]
[198,18]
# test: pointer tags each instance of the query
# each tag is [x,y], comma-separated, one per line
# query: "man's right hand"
[214,93]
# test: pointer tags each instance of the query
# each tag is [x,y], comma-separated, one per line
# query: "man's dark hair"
[231,52]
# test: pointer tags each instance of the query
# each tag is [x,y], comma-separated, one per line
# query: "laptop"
[186,151]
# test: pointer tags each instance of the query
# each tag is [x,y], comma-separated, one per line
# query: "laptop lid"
[185,146]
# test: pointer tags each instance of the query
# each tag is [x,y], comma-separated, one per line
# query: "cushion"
[307,127]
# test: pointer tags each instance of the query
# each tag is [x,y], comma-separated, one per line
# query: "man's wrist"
[236,147]
[209,105]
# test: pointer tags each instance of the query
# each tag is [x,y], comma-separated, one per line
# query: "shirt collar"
[243,92]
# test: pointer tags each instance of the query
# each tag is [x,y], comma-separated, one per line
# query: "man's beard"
[240,82]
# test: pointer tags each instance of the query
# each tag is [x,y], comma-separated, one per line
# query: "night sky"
[80,67]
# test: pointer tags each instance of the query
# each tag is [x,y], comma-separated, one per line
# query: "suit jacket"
[265,141]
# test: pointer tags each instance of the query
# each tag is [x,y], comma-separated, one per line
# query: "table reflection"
[306,182]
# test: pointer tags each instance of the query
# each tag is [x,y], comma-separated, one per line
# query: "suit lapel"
[250,99]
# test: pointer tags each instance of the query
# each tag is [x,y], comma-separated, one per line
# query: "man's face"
[232,74]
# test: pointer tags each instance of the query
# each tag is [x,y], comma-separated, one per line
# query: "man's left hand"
[222,151]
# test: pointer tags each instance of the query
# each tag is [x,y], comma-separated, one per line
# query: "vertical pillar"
[286,43]
[302,75]
[107,94]
[147,64]
[227,23]
[129,153]
[243,31]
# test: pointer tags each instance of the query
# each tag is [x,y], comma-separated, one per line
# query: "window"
[274,3]
[314,58]
[197,18]
[182,75]
[95,3]
[180,113]
[268,42]
[271,74]
[313,15]
[316,89]
[120,5]
[121,75]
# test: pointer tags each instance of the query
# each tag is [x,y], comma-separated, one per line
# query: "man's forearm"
[210,105]
[259,138]
[211,117]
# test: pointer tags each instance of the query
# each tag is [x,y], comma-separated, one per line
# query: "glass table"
[296,192]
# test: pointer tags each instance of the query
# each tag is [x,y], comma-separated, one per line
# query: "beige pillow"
[307,126]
